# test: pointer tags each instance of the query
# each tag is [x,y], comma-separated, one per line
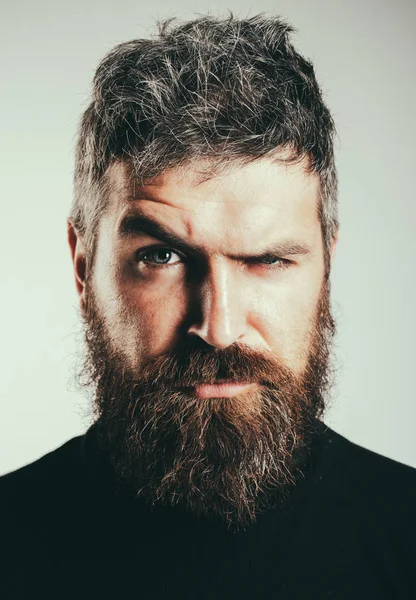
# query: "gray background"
[363,51]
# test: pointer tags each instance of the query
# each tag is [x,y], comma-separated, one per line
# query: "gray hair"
[222,89]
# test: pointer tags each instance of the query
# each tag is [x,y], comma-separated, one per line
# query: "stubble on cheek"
[129,338]
[302,335]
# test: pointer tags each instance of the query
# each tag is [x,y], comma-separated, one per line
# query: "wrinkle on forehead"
[194,173]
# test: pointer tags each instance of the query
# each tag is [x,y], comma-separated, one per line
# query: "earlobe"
[79,262]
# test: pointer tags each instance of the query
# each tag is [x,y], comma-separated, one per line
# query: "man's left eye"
[275,262]
[159,257]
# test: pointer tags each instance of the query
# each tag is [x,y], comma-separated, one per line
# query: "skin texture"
[214,295]
[238,293]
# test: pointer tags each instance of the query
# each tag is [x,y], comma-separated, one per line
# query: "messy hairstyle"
[230,90]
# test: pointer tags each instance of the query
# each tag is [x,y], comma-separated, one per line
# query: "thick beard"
[227,457]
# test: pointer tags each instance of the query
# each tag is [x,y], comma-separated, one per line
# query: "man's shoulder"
[49,477]
[68,455]
[36,497]
[359,458]
[367,477]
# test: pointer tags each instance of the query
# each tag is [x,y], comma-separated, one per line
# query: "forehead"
[235,205]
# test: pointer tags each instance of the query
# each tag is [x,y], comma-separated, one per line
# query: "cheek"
[148,317]
[285,315]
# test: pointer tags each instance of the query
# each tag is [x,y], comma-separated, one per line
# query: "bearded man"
[202,236]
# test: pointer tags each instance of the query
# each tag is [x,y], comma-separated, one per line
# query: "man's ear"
[79,260]
[334,245]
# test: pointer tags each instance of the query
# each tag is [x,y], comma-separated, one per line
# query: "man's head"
[202,233]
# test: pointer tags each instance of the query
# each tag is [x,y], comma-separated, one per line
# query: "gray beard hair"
[226,457]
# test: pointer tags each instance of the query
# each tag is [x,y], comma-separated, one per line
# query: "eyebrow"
[136,224]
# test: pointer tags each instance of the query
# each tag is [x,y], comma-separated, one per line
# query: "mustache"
[188,367]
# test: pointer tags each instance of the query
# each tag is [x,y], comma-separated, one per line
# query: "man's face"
[252,271]
[230,265]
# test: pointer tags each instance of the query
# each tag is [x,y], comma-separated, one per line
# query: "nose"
[219,318]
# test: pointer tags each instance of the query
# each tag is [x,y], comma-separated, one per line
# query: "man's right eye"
[158,257]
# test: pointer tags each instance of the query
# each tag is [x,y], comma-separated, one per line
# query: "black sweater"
[348,532]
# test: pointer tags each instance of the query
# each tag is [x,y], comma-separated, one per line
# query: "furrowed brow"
[136,224]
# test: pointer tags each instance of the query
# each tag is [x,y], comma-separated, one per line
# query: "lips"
[222,389]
